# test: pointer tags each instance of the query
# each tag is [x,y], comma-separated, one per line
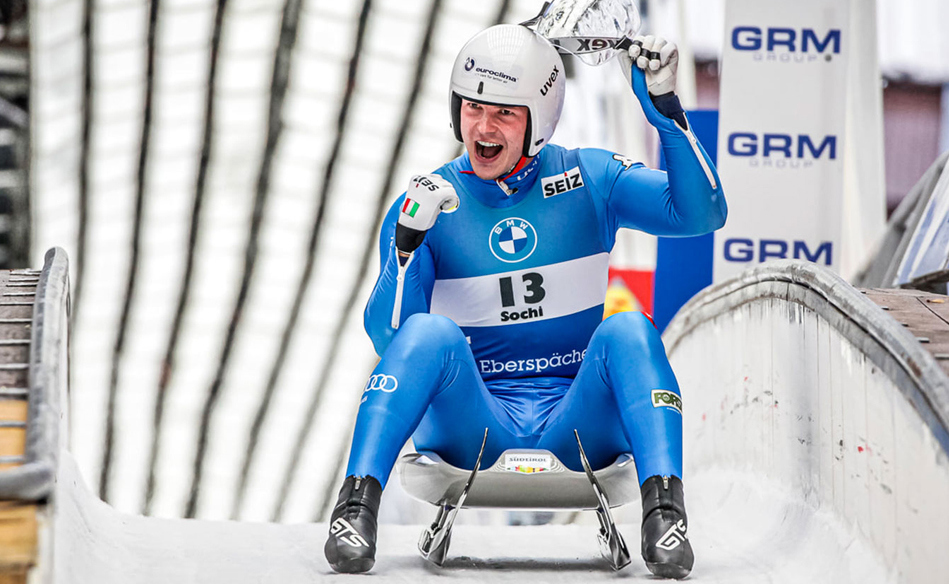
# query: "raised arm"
[688,198]
[407,273]
[419,279]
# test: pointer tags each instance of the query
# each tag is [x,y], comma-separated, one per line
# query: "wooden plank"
[12,440]
[18,541]
[925,316]
[14,410]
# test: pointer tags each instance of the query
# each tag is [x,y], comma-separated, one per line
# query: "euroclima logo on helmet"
[488,73]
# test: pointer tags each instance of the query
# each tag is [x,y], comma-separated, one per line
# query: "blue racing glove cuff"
[668,105]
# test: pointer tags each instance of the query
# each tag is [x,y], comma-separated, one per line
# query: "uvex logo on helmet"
[550,81]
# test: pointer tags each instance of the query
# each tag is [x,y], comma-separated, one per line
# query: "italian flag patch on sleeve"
[410,207]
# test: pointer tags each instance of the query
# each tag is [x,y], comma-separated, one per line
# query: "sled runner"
[519,479]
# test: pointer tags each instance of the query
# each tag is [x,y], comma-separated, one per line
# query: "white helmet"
[510,64]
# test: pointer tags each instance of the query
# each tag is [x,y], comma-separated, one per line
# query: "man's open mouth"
[488,150]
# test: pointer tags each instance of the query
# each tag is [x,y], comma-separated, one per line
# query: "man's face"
[494,137]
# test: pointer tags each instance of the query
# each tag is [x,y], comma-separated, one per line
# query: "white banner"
[781,132]
[539,293]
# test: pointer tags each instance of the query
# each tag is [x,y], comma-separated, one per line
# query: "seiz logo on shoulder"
[562,183]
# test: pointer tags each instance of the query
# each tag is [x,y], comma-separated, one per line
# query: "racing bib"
[518,296]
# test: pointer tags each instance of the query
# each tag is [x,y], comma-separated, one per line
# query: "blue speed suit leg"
[620,402]
[428,380]
[433,385]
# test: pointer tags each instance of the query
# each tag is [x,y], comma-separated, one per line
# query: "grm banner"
[781,131]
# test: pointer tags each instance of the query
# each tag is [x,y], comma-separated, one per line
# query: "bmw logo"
[469,64]
[512,240]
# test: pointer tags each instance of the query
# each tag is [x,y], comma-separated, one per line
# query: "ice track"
[744,531]
[816,450]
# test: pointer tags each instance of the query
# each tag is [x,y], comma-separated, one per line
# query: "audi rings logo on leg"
[382,382]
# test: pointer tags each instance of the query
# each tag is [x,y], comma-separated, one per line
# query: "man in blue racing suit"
[487,312]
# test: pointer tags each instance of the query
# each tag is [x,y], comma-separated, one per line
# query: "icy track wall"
[789,372]
[35,479]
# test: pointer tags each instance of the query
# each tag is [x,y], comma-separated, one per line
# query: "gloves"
[659,59]
[426,197]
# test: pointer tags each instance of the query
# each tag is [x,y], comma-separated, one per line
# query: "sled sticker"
[527,463]
[666,399]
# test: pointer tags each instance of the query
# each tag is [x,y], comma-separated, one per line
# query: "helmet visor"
[592,30]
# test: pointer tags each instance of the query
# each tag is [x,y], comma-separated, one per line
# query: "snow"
[743,529]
